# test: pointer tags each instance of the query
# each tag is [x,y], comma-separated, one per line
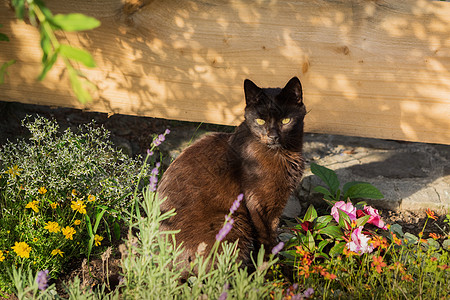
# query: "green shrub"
[61,195]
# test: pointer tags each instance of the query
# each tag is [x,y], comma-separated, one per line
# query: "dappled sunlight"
[367,68]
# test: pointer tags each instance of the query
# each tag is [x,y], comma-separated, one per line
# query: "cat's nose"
[273,139]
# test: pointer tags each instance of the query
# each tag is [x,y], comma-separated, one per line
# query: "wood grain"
[368,68]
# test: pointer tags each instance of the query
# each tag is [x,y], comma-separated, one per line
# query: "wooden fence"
[369,68]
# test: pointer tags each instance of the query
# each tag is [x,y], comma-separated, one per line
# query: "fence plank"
[369,68]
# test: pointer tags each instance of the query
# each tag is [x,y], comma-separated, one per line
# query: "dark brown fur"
[265,164]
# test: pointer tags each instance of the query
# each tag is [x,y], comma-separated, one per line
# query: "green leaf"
[349,185]
[446,245]
[47,66]
[80,92]
[322,222]
[77,54]
[433,244]
[75,22]
[363,190]
[344,219]
[3,69]
[362,221]
[19,7]
[310,243]
[310,215]
[411,238]
[322,245]
[397,229]
[4,37]
[322,190]
[46,45]
[328,176]
[324,219]
[337,249]
[332,231]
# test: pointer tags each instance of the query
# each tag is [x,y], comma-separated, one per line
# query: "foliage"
[348,253]
[352,253]
[61,195]
[352,190]
[41,17]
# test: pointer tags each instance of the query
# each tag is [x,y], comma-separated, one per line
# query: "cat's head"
[275,115]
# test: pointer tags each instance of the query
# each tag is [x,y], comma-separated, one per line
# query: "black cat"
[262,160]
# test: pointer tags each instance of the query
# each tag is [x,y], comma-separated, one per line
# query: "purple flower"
[154,177]
[277,248]
[308,293]
[225,229]
[224,294]
[160,138]
[149,153]
[42,279]
[236,203]
[347,208]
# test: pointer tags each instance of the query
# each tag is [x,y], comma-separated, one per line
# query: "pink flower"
[347,208]
[375,217]
[359,242]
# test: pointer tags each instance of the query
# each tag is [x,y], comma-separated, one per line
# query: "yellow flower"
[79,206]
[42,190]
[33,205]
[68,232]
[56,252]
[14,171]
[77,222]
[52,227]
[22,249]
[98,240]
[91,198]
[74,193]
[53,205]
[2,257]
[35,240]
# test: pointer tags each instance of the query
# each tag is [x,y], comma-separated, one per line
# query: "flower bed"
[61,195]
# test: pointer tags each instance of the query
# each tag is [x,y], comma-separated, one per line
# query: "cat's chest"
[267,166]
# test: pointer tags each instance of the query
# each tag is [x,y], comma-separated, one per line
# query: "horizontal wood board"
[369,68]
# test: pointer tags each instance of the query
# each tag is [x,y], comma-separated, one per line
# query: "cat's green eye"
[260,121]
[286,121]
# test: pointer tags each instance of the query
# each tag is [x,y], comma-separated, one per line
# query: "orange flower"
[329,276]
[304,271]
[430,214]
[396,239]
[434,236]
[306,257]
[378,263]
[379,241]
[444,267]
[397,266]
[407,277]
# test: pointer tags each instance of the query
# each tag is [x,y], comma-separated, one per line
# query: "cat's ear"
[294,88]
[251,91]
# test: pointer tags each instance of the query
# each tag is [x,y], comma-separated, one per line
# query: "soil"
[134,135]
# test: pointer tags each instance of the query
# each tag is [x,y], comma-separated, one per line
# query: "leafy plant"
[350,190]
[352,253]
[61,195]
[41,17]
